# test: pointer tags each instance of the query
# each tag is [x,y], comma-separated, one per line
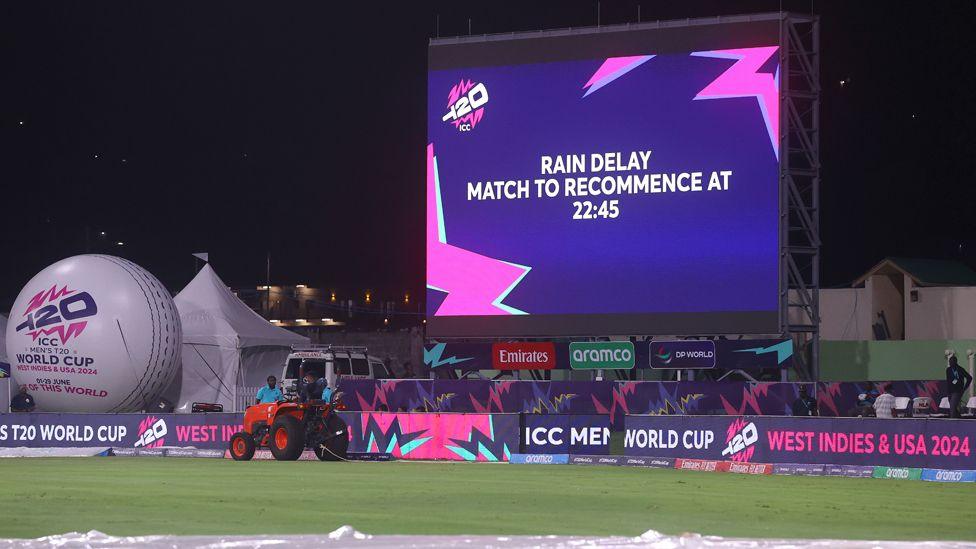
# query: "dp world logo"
[683,354]
[601,355]
[57,314]
[466,105]
[663,355]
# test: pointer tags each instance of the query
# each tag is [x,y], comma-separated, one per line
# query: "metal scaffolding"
[800,188]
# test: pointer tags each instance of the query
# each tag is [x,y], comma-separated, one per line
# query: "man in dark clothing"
[314,386]
[805,405]
[23,402]
[958,381]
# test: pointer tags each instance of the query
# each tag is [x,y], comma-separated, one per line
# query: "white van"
[332,362]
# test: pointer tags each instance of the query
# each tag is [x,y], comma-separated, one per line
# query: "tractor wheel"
[287,438]
[336,440]
[241,446]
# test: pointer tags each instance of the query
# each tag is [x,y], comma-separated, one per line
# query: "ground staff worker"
[270,392]
[958,381]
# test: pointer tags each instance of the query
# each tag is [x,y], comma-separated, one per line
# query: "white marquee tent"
[226,345]
[3,339]
[5,365]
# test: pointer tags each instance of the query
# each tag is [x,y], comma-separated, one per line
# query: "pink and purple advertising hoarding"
[904,442]
[447,436]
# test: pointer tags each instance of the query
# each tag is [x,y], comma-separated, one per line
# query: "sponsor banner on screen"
[660,463]
[540,459]
[523,356]
[601,355]
[141,431]
[911,443]
[441,436]
[746,354]
[899,473]
[943,475]
[262,454]
[596,460]
[685,354]
[851,471]
[167,452]
[566,434]
[801,469]
[701,464]
[750,468]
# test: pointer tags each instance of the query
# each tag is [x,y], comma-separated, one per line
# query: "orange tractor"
[288,428]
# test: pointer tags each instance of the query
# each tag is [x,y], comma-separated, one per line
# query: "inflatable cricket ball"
[94,333]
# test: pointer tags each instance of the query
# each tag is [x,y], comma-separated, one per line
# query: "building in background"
[390,326]
[897,320]
[302,307]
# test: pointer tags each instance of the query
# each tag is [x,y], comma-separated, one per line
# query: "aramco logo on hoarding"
[601,355]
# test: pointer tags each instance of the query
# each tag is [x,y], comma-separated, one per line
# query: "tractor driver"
[327,392]
[270,392]
[314,386]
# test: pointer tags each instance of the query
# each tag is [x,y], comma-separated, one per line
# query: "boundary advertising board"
[587,434]
[54,430]
[915,443]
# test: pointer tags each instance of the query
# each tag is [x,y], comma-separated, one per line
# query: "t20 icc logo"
[57,314]
[466,105]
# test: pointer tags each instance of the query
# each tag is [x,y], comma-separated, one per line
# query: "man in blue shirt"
[270,392]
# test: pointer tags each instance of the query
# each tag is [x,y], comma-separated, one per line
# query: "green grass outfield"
[125,496]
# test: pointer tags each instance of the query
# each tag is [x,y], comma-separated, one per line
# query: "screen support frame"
[800,241]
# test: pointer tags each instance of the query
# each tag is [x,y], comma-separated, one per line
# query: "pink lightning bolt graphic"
[612,69]
[742,80]
[475,284]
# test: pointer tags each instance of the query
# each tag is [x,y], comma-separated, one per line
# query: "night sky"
[243,128]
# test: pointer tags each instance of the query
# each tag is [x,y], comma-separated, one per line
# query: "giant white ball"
[94,333]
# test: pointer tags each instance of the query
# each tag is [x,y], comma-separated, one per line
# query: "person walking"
[958,381]
[884,404]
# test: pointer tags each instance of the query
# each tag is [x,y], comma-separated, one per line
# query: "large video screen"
[604,182]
